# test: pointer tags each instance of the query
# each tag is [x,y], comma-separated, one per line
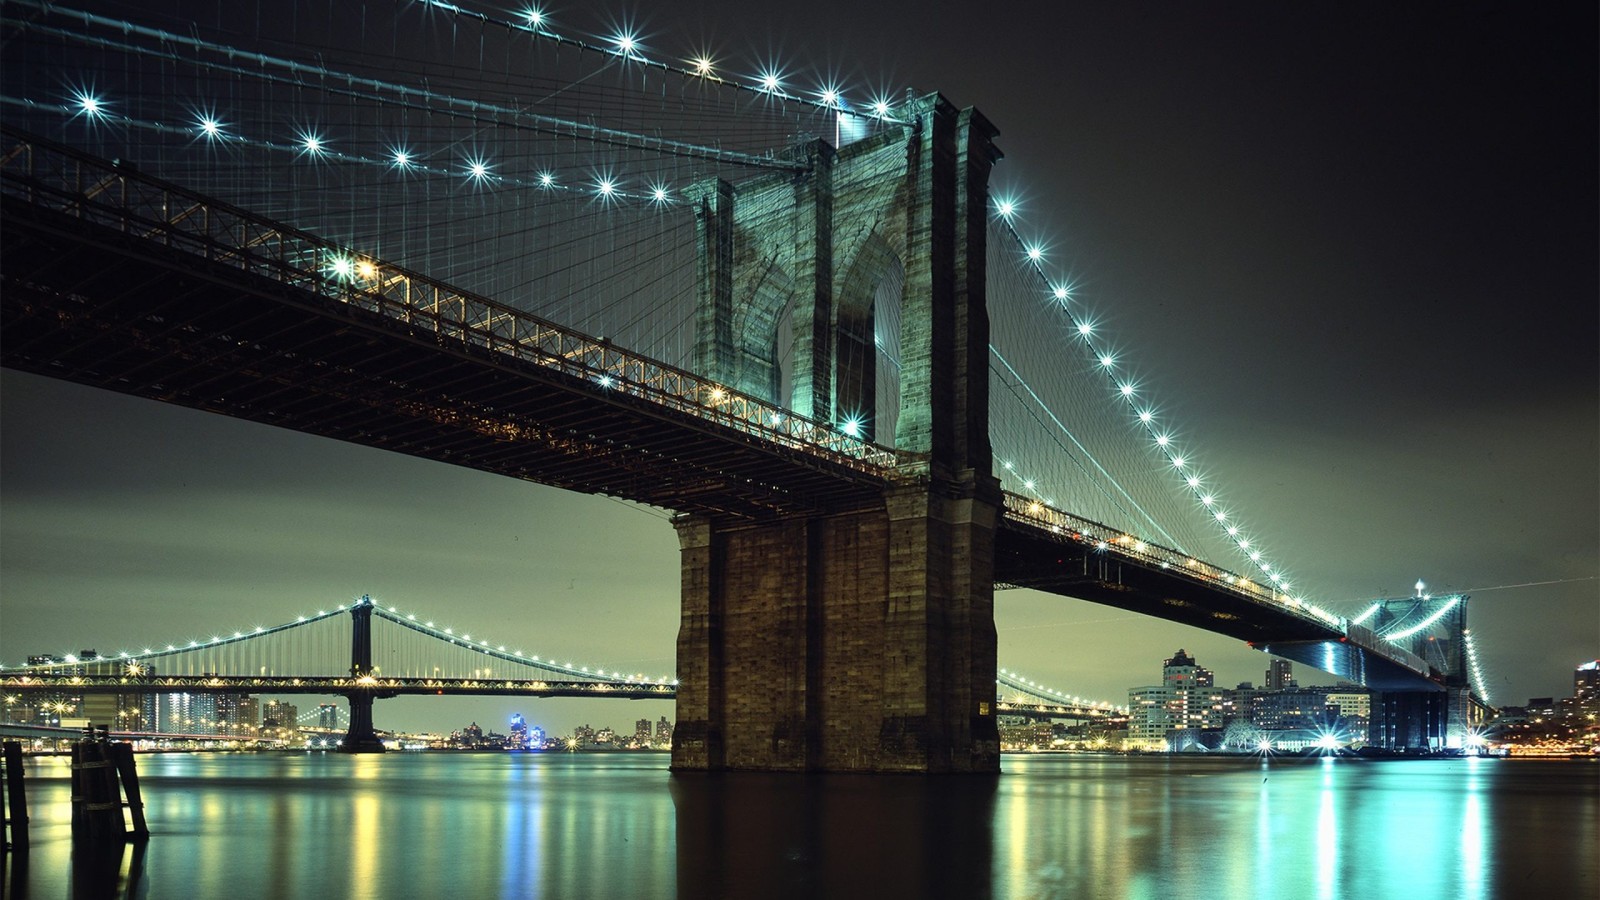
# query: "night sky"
[1354,245]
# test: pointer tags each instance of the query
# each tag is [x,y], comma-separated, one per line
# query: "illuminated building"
[1149,718]
[1355,708]
[1280,675]
[519,738]
[1586,689]
[280,720]
[1298,709]
[237,714]
[663,732]
[1184,699]
[189,714]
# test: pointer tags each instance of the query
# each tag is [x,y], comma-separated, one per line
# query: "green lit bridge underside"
[117,280]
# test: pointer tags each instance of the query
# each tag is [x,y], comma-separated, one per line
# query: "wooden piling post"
[16,797]
[122,753]
[97,801]
[79,793]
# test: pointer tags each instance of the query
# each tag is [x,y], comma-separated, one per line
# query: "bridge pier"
[853,642]
[1422,721]
[362,737]
[855,639]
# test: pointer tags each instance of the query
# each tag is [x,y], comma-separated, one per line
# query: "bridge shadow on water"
[774,835]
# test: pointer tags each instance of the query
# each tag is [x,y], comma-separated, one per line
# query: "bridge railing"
[120,197]
[1105,539]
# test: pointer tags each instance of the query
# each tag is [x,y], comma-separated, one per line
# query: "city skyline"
[1359,272]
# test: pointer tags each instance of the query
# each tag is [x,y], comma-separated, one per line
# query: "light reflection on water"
[619,825]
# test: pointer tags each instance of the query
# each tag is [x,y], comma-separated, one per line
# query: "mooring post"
[16,797]
[79,793]
[122,753]
[97,795]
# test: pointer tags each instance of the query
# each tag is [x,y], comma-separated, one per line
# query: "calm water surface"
[620,826]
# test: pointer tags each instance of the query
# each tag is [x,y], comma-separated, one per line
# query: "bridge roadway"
[374,686]
[112,278]
[394,687]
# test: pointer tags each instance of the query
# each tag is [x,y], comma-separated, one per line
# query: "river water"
[619,825]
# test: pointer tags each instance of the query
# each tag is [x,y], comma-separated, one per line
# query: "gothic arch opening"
[759,362]
[866,330]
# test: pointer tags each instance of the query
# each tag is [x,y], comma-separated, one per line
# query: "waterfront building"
[1150,717]
[1186,698]
[663,732]
[1293,710]
[1355,708]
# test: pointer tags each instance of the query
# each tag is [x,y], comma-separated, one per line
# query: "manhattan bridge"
[796,318]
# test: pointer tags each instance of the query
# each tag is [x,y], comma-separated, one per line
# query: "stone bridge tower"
[857,639]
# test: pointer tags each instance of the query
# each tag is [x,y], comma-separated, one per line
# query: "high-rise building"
[641,733]
[1192,699]
[280,720]
[1149,717]
[1586,683]
[237,714]
[663,732]
[189,714]
[1186,698]
[1280,675]
[1582,709]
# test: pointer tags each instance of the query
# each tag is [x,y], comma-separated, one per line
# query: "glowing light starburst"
[88,104]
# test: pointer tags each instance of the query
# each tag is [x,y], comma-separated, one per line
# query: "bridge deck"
[113,279]
[91,304]
[375,687]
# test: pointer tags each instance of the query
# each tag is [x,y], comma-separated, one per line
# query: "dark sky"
[1354,245]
